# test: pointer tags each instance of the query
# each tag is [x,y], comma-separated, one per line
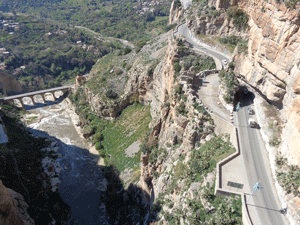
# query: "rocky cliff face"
[13,208]
[8,84]
[272,64]
[175,13]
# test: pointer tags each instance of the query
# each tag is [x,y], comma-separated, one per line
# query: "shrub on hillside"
[177,3]
[111,94]
[99,146]
[232,39]
[243,47]
[177,67]
[240,20]
[178,89]
[139,46]
[98,137]
[181,109]
[118,71]
[126,50]
[231,11]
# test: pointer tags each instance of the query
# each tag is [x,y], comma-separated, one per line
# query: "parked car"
[250,111]
[252,123]
[224,62]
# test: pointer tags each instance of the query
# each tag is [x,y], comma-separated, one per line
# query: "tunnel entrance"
[242,97]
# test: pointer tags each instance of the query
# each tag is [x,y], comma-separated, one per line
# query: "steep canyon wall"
[271,66]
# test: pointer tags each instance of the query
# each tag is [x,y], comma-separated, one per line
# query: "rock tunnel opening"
[242,97]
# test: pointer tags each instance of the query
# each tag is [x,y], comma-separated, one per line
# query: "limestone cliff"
[8,84]
[13,208]
[175,12]
[272,64]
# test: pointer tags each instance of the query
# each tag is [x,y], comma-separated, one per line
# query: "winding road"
[201,47]
[264,205]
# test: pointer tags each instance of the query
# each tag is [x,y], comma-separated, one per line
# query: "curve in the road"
[197,45]
[265,207]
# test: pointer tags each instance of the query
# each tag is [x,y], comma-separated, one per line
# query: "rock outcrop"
[8,84]
[272,64]
[175,13]
[13,208]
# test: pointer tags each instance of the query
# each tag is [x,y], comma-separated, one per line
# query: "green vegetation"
[51,54]
[111,138]
[232,39]
[205,208]
[190,58]
[199,62]
[204,159]
[288,175]
[228,209]
[240,18]
[290,180]
[118,18]
[274,141]
[177,67]
[230,81]
[207,11]
[109,78]
[177,3]
[290,3]
[181,109]
[90,121]
[243,47]
[129,127]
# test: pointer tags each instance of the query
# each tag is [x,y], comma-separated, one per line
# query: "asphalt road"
[183,30]
[264,204]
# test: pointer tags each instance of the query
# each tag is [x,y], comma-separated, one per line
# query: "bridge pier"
[43,97]
[21,101]
[52,92]
[64,89]
[32,99]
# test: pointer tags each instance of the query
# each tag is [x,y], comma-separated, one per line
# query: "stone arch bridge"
[42,93]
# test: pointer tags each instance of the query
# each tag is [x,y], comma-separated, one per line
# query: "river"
[82,180]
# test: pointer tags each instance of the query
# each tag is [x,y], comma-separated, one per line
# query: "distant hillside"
[27,3]
[130,20]
[42,54]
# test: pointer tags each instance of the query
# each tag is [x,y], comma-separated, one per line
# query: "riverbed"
[82,180]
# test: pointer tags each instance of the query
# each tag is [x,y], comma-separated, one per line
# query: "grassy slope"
[125,130]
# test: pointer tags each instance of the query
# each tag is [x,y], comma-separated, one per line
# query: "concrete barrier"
[221,192]
[223,162]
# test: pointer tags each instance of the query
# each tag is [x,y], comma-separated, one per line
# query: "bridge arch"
[41,93]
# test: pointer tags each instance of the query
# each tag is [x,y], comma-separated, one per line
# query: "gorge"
[144,111]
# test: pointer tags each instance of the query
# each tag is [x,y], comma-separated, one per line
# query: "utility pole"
[256,187]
